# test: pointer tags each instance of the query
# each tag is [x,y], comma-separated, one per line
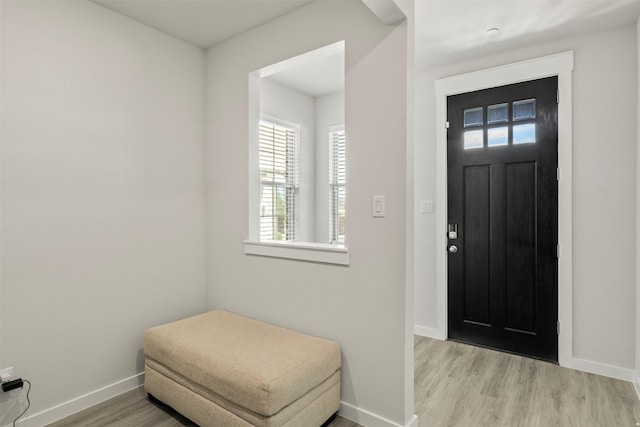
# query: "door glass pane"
[497,113]
[498,136]
[473,139]
[523,110]
[473,117]
[524,134]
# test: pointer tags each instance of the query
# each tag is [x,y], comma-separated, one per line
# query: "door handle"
[453,249]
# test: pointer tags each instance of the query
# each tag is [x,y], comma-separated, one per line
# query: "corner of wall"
[366,418]
[425,331]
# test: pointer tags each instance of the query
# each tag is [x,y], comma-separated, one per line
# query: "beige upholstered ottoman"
[222,369]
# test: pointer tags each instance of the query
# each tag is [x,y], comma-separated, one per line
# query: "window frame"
[335,184]
[292,176]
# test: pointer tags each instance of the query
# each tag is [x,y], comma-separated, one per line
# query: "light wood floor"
[455,385]
[133,409]
[461,385]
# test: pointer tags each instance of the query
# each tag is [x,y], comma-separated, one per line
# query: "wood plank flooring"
[456,385]
[461,385]
[133,409]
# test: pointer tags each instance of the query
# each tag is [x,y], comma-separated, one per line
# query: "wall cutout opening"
[298,153]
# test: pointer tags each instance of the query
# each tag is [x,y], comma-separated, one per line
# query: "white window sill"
[305,251]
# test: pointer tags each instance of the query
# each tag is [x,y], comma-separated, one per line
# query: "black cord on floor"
[28,404]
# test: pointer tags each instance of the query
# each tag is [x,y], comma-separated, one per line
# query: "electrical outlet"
[6,374]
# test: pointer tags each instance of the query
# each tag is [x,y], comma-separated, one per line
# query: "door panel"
[502,203]
[520,255]
[476,268]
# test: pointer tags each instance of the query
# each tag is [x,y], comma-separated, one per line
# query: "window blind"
[337,183]
[278,182]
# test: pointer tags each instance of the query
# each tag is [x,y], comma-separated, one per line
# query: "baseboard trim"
[636,383]
[413,422]
[83,402]
[601,369]
[425,331]
[369,419]
[88,400]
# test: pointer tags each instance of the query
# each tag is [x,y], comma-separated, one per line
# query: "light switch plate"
[426,206]
[378,207]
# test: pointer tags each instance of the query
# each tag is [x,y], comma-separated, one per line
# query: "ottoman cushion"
[255,365]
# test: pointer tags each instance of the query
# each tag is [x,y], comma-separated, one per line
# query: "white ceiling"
[450,31]
[446,30]
[320,77]
[203,23]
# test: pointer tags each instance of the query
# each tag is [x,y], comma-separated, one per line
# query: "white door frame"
[560,65]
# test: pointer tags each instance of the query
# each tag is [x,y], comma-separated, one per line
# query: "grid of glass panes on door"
[500,124]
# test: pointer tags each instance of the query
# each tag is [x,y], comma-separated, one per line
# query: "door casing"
[560,65]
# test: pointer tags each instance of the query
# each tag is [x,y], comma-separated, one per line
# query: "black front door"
[503,218]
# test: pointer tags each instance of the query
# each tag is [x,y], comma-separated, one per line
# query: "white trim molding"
[369,419]
[597,368]
[90,399]
[560,65]
[303,251]
[83,402]
[425,331]
[413,422]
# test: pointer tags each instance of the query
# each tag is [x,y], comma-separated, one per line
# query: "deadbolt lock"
[452,232]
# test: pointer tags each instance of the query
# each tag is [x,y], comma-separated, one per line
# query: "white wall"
[329,112]
[361,306]
[281,102]
[102,197]
[425,296]
[604,190]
